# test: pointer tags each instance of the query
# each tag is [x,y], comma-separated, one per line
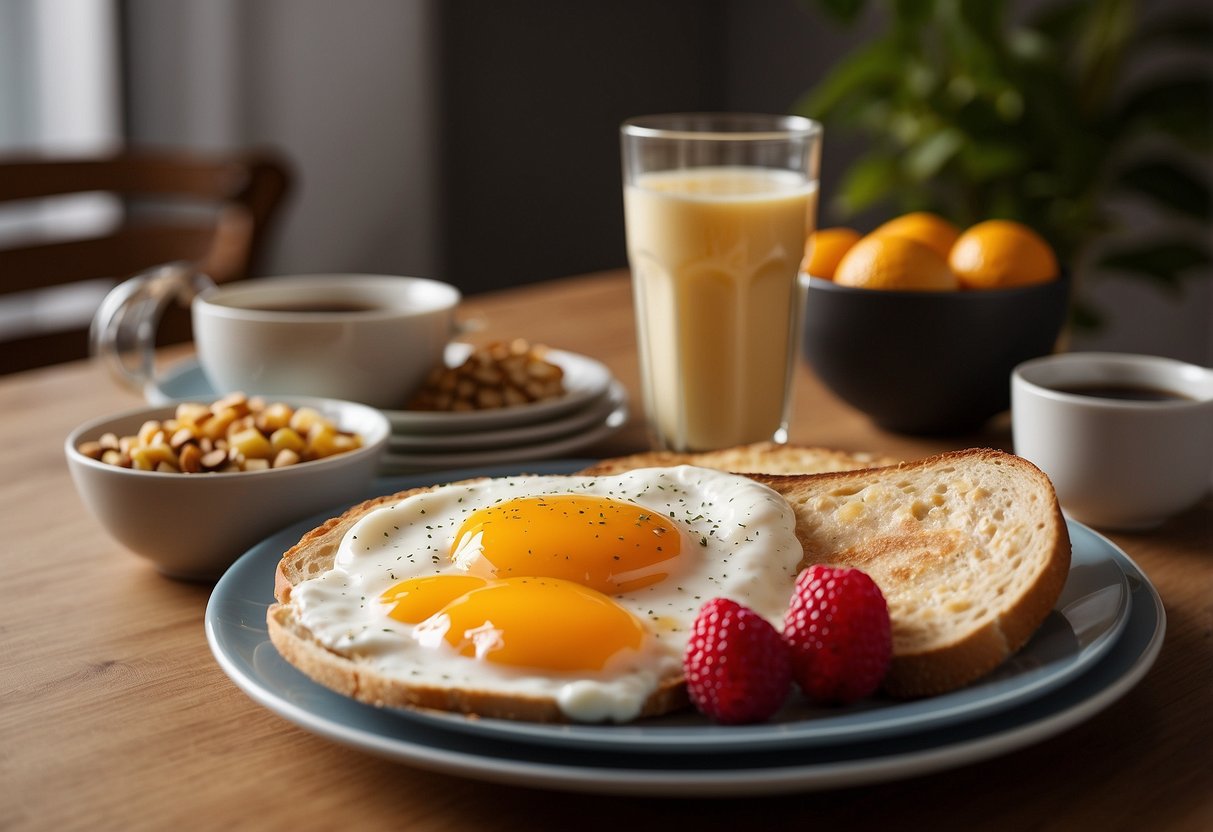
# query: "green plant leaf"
[1164,262]
[911,13]
[1100,52]
[868,73]
[985,18]
[983,161]
[1170,184]
[977,113]
[1059,22]
[868,181]
[924,160]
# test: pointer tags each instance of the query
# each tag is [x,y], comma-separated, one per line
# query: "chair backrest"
[157,206]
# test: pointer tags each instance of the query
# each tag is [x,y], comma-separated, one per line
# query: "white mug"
[1126,439]
[362,338]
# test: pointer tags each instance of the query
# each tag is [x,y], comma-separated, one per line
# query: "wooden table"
[114,715]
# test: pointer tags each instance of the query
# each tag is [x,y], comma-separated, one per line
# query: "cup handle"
[123,331]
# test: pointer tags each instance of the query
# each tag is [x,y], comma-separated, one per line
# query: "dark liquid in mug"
[314,306]
[1125,392]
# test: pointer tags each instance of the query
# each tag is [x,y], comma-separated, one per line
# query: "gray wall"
[345,89]
[533,93]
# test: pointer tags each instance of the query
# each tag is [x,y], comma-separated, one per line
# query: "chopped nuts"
[235,433]
[493,376]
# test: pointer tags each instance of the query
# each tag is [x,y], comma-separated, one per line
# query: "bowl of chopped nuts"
[190,486]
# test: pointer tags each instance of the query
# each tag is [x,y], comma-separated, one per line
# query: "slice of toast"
[765,457]
[314,554]
[969,548]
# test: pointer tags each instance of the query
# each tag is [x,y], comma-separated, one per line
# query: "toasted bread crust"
[963,655]
[892,552]
[316,550]
[354,679]
[766,457]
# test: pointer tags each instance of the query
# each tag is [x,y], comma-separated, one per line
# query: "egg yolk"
[535,622]
[417,599]
[609,545]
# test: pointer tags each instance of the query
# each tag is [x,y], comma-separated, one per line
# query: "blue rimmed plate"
[1099,639]
[235,626]
[1089,616]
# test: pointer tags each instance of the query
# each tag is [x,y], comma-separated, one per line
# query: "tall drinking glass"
[717,208]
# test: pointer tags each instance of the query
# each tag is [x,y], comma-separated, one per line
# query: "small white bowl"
[194,526]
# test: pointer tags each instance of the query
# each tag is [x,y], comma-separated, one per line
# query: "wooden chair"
[210,210]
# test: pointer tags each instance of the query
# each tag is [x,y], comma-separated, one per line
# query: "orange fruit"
[925,227]
[881,261]
[996,254]
[825,247]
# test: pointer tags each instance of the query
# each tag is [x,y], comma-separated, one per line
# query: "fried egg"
[580,589]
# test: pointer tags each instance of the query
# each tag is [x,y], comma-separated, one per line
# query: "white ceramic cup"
[1116,463]
[362,338]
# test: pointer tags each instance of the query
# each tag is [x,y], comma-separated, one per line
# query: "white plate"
[585,379]
[594,414]
[394,462]
[236,632]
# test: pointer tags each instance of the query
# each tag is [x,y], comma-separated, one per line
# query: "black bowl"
[928,362]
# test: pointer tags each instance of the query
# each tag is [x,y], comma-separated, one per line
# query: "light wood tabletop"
[114,714]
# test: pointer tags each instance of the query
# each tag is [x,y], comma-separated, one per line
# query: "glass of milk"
[717,208]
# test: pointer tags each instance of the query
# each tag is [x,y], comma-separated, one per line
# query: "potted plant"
[1077,117]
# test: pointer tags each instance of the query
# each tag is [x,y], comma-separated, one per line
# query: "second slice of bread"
[969,548]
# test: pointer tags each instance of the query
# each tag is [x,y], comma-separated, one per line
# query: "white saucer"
[593,414]
[407,463]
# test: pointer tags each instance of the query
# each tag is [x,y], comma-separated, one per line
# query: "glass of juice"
[717,208]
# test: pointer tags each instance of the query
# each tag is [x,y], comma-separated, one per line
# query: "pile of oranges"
[924,252]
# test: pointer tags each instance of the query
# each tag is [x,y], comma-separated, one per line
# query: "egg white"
[737,542]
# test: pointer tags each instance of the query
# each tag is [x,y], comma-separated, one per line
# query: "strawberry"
[838,627]
[738,668]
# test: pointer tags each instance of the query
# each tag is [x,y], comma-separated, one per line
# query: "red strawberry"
[838,627]
[737,666]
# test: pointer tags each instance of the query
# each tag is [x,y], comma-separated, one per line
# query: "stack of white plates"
[594,406]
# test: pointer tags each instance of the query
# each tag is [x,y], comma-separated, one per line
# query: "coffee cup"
[359,337]
[1126,439]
